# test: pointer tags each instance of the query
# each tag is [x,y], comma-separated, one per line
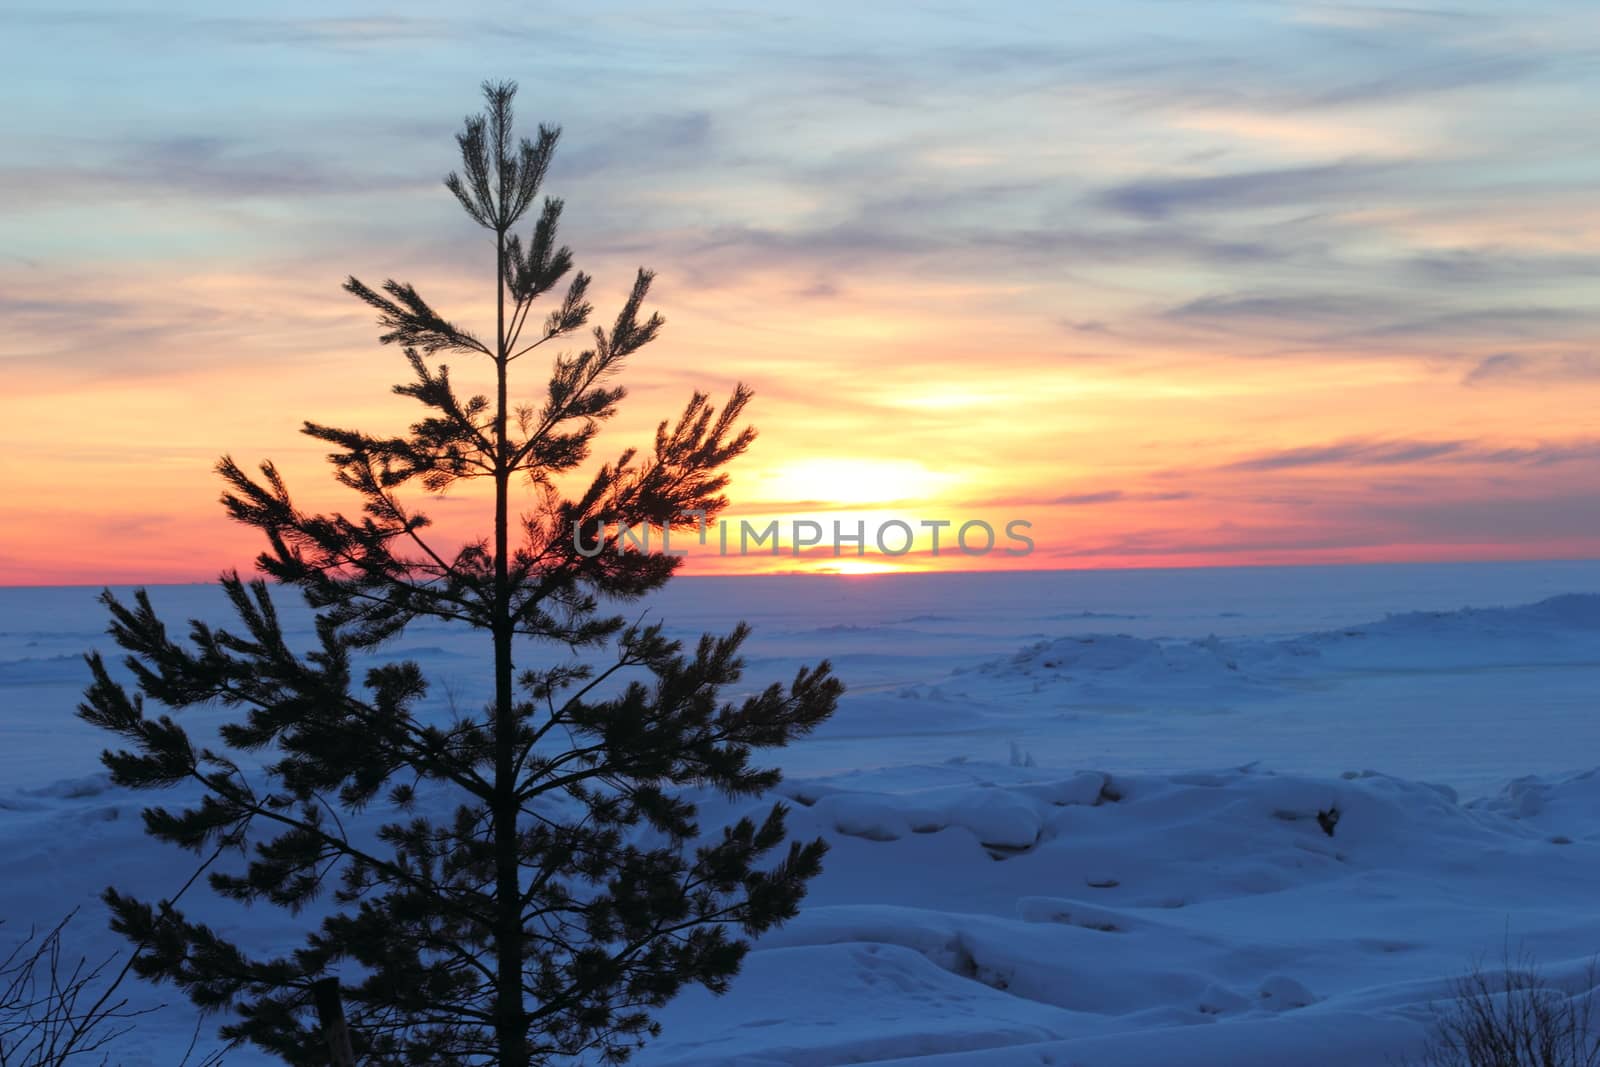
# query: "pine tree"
[537,882]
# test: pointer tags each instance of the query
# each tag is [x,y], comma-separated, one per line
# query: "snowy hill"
[1073,820]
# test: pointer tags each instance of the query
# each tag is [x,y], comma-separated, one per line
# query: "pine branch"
[409,321]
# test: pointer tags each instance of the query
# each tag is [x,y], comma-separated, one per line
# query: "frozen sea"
[1072,814]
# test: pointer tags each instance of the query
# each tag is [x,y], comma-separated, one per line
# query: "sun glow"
[859,566]
[851,481]
[1300,325]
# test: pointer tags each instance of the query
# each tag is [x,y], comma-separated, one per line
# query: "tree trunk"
[330,1015]
[511,1022]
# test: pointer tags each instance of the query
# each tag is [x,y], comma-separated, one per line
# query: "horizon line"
[910,573]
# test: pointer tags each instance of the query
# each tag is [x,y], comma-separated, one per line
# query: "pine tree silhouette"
[537,882]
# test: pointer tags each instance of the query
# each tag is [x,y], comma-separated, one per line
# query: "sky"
[1177,284]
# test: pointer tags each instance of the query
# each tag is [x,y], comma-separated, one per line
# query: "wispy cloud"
[1160,198]
[1504,367]
[1526,517]
[1375,319]
[1361,453]
[1112,496]
[190,169]
[1349,453]
[286,29]
[1091,499]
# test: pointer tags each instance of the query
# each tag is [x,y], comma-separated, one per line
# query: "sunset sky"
[1179,283]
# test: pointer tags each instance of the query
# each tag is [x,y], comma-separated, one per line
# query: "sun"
[858,567]
[853,481]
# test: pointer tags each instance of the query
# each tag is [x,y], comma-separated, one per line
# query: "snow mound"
[1569,611]
[1560,629]
[1088,918]
[1119,667]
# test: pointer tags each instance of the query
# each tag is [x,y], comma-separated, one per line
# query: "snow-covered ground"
[1073,816]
